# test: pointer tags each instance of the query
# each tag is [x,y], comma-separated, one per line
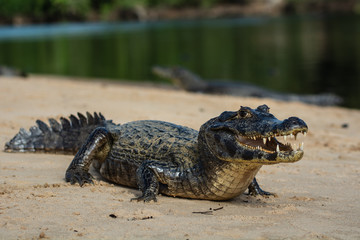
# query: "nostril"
[293,120]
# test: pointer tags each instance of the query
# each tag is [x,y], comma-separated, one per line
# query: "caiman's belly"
[224,185]
[229,182]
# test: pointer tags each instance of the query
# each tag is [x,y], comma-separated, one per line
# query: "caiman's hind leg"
[254,190]
[97,147]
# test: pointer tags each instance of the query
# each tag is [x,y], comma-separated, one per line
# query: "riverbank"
[316,196]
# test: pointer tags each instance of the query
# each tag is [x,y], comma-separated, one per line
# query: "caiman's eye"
[244,113]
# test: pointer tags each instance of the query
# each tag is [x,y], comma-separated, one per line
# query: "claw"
[262,193]
[254,190]
[82,181]
[78,176]
[145,198]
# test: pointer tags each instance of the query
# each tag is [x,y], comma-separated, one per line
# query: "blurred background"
[290,46]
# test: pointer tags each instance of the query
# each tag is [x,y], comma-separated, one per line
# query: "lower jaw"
[294,156]
[265,158]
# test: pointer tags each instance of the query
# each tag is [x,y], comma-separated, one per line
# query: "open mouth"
[271,144]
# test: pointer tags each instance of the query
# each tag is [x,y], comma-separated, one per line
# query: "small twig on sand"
[209,212]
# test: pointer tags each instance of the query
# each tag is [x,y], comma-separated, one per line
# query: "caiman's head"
[181,77]
[251,135]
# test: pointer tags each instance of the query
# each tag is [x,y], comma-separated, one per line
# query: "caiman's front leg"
[148,181]
[97,147]
[254,190]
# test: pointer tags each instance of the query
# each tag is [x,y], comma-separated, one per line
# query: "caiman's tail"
[65,137]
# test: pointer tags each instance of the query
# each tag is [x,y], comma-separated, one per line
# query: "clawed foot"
[146,197]
[255,190]
[78,176]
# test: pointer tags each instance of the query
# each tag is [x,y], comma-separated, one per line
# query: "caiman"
[191,82]
[11,72]
[218,162]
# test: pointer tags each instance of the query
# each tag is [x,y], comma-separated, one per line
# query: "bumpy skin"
[219,162]
[193,83]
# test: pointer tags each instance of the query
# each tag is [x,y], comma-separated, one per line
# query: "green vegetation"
[20,11]
[45,10]
[80,10]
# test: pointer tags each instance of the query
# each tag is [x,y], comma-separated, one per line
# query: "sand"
[318,197]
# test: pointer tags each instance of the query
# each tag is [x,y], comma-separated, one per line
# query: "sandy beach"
[318,197]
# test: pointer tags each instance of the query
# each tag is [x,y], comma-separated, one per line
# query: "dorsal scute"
[42,126]
[75,122]
[55,125]
[90,119]
[82,119]
[65,123]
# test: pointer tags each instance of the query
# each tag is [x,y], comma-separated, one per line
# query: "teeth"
[266,140]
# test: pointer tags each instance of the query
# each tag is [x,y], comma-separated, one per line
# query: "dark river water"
[307,54]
